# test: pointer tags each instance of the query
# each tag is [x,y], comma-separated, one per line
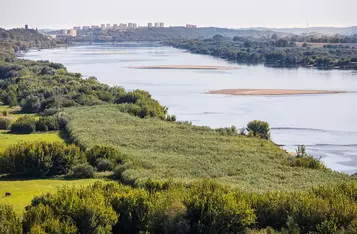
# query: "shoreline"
[185,67]
[274,92]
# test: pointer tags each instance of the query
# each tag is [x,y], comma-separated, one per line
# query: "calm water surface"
[326,124]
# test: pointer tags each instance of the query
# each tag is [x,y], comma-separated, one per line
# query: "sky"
[219,13]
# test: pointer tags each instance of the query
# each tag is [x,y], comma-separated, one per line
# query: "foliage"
[98,153]
[275,51]
[40,158]
[202,207]
[105,165]
[24,125]
[173,150]
[303,159]
[82,171]
[260,129]
[49,123]
[5,123]
[31,104]
[85,211]
[212,208]
[9,222]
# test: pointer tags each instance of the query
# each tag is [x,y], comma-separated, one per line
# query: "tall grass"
[164,150]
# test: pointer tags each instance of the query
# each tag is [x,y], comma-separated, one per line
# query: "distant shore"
[185,67]
[273,92]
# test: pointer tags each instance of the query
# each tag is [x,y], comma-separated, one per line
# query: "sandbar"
[188,67]
[273,91]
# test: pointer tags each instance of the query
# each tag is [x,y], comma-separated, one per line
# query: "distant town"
[74,32]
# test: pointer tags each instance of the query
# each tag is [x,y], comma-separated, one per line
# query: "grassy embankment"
[165,150]
[23,191]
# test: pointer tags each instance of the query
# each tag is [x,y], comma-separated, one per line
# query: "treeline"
[16,40]
[201,207]
[271,52]
[45,87]
[322,38]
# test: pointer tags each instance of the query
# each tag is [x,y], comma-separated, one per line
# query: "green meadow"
[164,150]
[23,191]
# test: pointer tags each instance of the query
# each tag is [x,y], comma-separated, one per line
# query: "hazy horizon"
[228,14]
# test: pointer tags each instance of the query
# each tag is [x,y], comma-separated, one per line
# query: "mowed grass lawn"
[23,191]
[164,150]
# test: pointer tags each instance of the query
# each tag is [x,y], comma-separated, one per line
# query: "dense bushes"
[82,171]
[272,52]
[24,125]
[40,159]
[5,123]
[100,155]
[47,123]
[9,222]
[203,207]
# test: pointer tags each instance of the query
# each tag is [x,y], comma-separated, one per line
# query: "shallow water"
[326,124]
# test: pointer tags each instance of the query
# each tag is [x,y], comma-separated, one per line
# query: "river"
[326,124]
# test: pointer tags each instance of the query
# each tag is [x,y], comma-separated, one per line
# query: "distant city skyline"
[228,13]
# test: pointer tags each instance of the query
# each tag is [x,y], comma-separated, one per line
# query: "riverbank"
[273,92]
[185,67]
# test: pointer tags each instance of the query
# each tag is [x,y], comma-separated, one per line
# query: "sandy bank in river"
[193,67]
[272,92]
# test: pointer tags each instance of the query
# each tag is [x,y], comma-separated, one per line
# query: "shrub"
[49,123]
[260,129]
[105,165]
[5,123]
[99,152]
[24,125]
[9,222]
[212,208]
[303,159]
[63,119]
[40,158]
[71,210]
[50,112]
[82,171]
[42,219]
[31,104]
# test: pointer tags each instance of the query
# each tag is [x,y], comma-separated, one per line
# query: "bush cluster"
[24,125]
[29,124]
[201,207]
[40,159]
[104,158]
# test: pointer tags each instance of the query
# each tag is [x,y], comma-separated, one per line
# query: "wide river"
[326,124]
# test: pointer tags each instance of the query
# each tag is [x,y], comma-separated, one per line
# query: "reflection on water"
[325,123]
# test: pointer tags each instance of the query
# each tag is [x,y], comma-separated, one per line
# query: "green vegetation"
[201,207]
[38,159]
[281,52]
[7,139]
[164,150]
[251,184]
[23,190]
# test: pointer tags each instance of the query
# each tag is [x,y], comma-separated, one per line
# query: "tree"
[31,104]
[260,129]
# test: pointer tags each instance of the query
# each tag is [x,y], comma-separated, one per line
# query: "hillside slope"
[164,150]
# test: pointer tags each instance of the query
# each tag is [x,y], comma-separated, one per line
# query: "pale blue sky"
[221,13]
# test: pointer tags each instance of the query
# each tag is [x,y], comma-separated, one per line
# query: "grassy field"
[23,191]
[164,150]
[7,139]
